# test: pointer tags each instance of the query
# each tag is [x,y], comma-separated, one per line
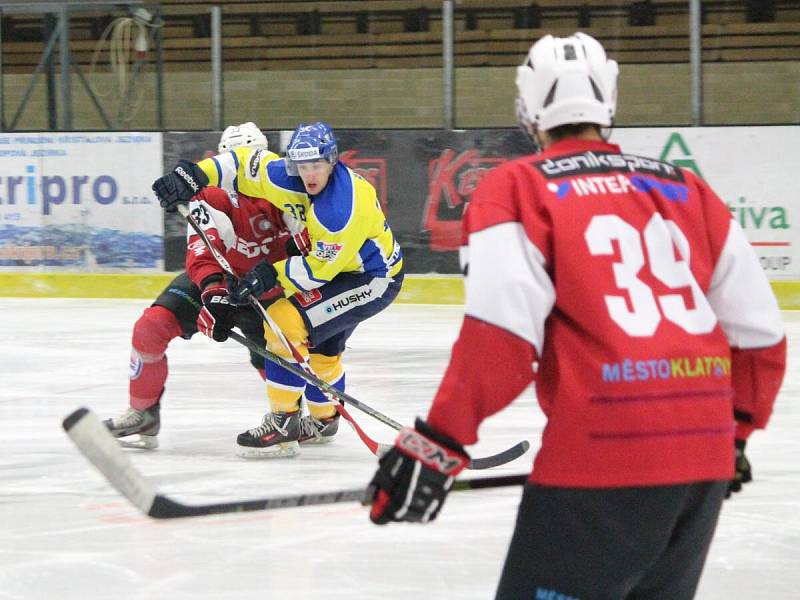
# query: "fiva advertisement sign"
[750,168]
[80,201]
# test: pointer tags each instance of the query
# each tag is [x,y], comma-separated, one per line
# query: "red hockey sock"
[151,335]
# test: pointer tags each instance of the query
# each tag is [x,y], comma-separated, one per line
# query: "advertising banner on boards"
[80,202]
[425,178]
[750,169]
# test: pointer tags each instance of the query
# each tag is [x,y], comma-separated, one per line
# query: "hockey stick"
[101,449]
[304,370]
[486,462]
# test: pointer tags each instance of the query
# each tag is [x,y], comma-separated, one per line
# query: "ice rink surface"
[66,534]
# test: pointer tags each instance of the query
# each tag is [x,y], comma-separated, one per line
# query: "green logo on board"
[677,152]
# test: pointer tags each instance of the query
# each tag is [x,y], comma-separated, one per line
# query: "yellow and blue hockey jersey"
[346,226]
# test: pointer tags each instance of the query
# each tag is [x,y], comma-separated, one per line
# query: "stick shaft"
[97,444]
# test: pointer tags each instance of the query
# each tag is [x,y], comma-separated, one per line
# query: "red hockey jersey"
[622,286]
[245,230]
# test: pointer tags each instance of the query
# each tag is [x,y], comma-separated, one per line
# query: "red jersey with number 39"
[624,288]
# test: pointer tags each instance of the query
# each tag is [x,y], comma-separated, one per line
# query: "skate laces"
[311,427]
[271,422]
[129,418]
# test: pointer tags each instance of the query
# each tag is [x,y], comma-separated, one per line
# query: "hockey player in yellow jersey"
[347,268]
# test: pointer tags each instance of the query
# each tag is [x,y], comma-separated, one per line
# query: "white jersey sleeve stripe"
[227,169]
[300,275]
[507,284]
[741,296]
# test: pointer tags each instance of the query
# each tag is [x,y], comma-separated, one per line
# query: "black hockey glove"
[217,315]
[179,185]
[743,474]
[258,280]
[414,477]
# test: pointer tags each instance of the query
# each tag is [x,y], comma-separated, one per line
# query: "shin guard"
[284,389]
[148,367]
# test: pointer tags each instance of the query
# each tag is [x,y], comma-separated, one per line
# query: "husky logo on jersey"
[252,164]
[341,302]
[327,252]
[308,298]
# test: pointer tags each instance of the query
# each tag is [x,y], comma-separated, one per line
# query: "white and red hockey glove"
[216,317]
[414,477]
[298,244]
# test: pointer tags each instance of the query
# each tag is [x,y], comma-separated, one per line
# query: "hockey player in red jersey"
[623,289]
[245,231]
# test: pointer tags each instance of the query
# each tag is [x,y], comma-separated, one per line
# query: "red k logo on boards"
[371,169]
[451,180]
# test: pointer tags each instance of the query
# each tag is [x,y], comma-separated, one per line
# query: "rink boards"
[417,289]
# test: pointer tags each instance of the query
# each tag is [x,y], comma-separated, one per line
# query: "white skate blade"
[284,450]
[143,442]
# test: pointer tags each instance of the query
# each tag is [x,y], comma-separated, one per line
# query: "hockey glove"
[743,474]
[179,185]
[258,280]
[415,476]
[298,244]
[216,317]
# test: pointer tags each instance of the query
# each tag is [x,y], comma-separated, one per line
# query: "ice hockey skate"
[318,431]
[142,423]
[276,437]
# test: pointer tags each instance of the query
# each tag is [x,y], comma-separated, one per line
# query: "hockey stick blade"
[97,444]
[486,462]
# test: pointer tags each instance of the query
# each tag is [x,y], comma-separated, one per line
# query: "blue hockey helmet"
[311,142]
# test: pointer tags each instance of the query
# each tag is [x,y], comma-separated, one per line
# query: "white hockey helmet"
[246,134]
[567,80]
